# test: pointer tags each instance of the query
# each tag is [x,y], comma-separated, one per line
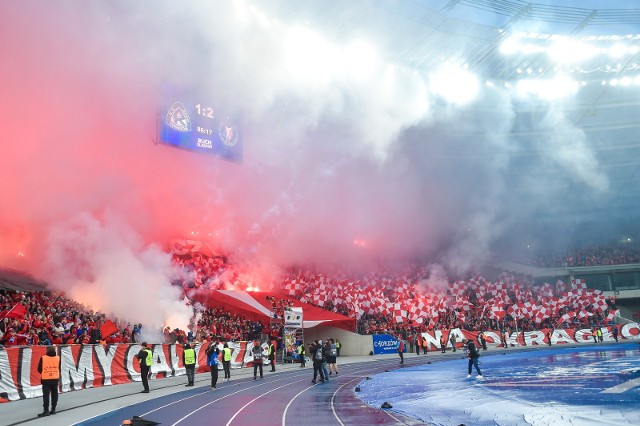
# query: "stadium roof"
[13,280]
[594,46]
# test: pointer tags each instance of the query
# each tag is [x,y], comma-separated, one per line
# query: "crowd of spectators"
[451,307]
[43,318]
[198,270]
[396,300]
[224,326]
[616,254]
[406,301]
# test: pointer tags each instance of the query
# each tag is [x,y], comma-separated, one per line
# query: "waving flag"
[108,328]
[18,311]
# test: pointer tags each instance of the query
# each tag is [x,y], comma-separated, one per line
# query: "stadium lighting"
[454,84]
[571,51]
[509,46]
[556,88]
[618,50]
[513,45]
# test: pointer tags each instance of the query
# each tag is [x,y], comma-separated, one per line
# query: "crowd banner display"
[88,366]
[559,336]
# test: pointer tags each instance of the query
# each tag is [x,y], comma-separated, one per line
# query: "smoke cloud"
[360,162]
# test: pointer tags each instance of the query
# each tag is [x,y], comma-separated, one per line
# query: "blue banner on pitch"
[385,344]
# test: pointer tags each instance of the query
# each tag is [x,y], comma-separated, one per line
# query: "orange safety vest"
[50,367]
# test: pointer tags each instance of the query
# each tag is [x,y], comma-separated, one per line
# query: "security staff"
[146,358]
[189,361]
[226,361]
[49,369]
[301,354]
[271,355]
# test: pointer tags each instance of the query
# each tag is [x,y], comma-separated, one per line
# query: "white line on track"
[173,402]
[262,384]
[336,414]
[333,397]
[257,398]
[623,387]
[284,413]
[238,383]
[233,393]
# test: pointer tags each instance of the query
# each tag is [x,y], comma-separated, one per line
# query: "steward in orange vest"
[49,369]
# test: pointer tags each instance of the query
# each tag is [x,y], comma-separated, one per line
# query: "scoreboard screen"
[200,127]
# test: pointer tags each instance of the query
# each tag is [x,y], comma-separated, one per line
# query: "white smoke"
[102,263]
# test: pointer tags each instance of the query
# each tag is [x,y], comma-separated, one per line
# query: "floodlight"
[571,51]
[454,84]
[555,88]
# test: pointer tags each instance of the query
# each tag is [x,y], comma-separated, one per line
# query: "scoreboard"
[200,127]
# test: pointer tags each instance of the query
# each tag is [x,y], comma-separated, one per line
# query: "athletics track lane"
[286,398]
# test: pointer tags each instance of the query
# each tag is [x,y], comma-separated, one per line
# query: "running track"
[286,397]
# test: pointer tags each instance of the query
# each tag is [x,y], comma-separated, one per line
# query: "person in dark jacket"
[315,350]
[145,356]
[332,358]
[258,357]
[473,354]
[49,369]
[326,350]
[95,336]
[212,353]
[483,341]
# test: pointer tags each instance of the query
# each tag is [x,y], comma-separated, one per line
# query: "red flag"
[17,311]
[108,328]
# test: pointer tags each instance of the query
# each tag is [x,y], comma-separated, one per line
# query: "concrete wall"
[352,344]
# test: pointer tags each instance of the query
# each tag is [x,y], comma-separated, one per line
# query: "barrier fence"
[87,366]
